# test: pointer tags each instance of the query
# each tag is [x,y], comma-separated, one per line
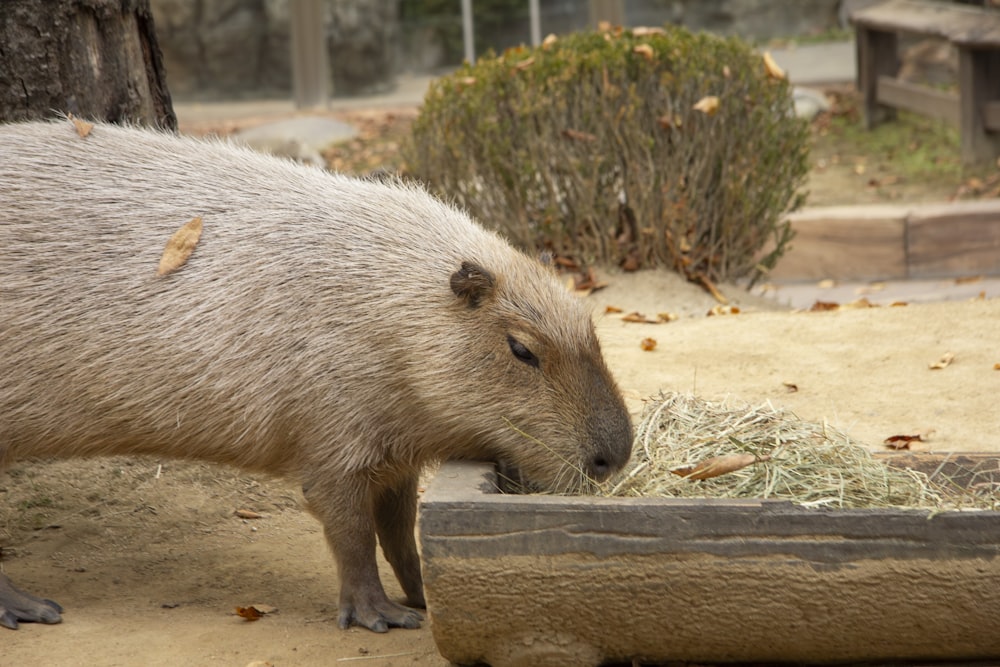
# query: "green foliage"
[591,147]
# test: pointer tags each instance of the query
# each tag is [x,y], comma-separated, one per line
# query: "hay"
[810,464]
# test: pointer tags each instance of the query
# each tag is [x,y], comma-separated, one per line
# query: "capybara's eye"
[521,352]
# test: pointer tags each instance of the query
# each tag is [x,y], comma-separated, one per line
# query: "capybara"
[337,331]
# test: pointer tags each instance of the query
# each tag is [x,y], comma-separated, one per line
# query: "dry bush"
[591,146]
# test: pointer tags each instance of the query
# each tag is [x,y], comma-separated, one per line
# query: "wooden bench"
[974,32]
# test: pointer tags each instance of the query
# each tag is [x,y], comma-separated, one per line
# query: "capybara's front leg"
[16,605]
[395,520]
[346,509]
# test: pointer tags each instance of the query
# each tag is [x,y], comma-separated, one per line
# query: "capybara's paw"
[18,606]
[379,617]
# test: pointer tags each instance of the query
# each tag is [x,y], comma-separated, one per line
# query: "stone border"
[893,242]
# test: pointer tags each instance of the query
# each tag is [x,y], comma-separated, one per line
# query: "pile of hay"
[683,442]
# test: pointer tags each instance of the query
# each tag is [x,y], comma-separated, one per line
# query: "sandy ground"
[150,561]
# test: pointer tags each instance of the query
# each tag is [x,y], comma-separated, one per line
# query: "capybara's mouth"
[513,480]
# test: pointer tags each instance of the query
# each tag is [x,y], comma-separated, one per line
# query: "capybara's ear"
[472,283]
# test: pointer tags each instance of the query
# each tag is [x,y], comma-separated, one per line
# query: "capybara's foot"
[379,617]
[16,605]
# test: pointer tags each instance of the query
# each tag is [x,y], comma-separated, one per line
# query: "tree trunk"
[96,59]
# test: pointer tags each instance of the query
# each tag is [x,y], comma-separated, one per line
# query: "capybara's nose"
[599,469]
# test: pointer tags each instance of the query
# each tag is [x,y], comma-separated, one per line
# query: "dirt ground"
[149,559]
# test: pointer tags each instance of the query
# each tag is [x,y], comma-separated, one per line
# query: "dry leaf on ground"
[943,362]
[902,441]
[648,344]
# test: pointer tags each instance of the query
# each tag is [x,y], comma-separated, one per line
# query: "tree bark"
[96,59]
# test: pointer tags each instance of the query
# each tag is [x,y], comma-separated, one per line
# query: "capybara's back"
[325,328]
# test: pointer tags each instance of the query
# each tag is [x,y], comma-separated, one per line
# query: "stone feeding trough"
[534,580]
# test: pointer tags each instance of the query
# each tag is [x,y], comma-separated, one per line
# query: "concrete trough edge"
[536,580]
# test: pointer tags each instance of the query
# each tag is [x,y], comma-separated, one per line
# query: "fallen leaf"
[644,50]
[667,122]
[717,465]
[567,263]
[648,344]
[897,304]
[525,64]
[642,31]
[824,305]
[638,318]
[83,128]
[610,310]
[902,441]
[723,310]
[180,246]
[996,367]
[248,514]
[860,303]
[943,362]
[667,317]
[791,387]
[773,69]
[578,136]
[549,41]
[249,613]
[708,105]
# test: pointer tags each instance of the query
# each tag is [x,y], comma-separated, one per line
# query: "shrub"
[592,146]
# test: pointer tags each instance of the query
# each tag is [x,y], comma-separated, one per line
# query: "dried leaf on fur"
[180,246]
[943,362]
[715,466]
[648,344]
[83,128]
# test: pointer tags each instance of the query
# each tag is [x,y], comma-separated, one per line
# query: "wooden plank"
[845,243]
[978,83]
[920,99]
[970,26]
[877,57]
[991,116]
[954,239]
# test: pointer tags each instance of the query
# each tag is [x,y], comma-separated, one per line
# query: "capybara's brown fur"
[340,332]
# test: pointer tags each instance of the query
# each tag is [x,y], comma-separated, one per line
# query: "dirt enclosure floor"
[150,560]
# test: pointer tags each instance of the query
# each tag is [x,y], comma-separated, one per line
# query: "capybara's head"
[545,399]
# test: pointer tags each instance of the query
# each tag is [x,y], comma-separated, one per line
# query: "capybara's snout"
[611,444]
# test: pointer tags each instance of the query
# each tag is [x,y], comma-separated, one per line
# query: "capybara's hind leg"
[16,605]
[346,509]
[395,520]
